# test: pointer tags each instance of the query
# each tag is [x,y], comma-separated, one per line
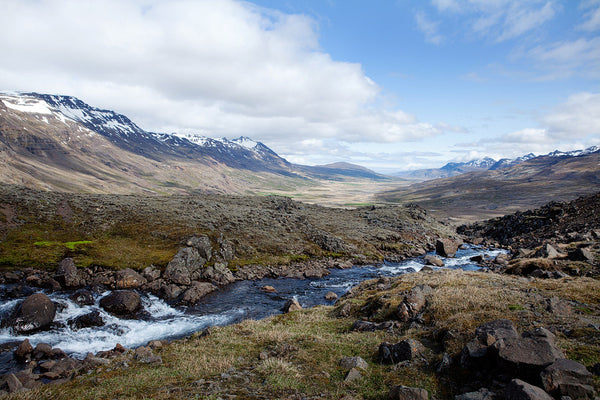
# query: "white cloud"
[429,28]
[563,59]
[591,21]
[501,19]
[222,68]
[578,117]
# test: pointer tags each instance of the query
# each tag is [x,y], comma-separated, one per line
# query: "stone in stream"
[36,312]
[122,303]
[447,247]
[291,305]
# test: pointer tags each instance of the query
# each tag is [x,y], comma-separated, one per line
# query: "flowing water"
[231,304]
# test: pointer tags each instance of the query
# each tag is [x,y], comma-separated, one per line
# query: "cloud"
[429,28]
[591,16]
[500,19]
[566,58]
[221,68]
[578,117]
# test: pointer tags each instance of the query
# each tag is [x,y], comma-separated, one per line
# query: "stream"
[232,303]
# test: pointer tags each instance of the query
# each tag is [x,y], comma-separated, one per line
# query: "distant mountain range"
[484,164]
[61,143]
[480,194]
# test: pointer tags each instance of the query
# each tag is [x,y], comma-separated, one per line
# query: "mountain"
[61,143]
[484,164]
[339,170]
[490,193]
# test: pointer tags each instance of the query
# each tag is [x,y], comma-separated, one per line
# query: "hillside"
[61,143]
[492,193]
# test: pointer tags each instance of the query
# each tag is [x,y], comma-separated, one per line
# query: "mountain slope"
[61,143]
[485,194]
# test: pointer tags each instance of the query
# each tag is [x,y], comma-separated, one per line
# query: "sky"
[392,85]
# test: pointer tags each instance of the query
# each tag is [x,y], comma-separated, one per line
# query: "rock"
[268,289]
[196,292]
[185,267]
[291,305]
[596,369]
[366,326]
[67,275]
[399,392]
[433,260]
[122,303]
[330,296]
[86,321]
[11,383]
[24,350]
[145,355]
[558,307]
[129,279]
[42,351]
[476,351]
[568,378]
[413,303]
[426,268]
[519,390]
[218,274]
[226,250]
[82,297]
[547,251]
[151,273]
[327,241]
[35,313]
[406,350]
[353,362]
[581,254]
[447,247]
[527,356]
[171,292]
[352,375]
[481,394]
[52,284]
[445,364]
[477,259]
[202,244]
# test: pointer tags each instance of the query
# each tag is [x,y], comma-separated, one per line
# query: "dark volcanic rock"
[519,390]
[122,303]
[568,378]
[67,275]
[87,320]
[185,267]
[24,350]
[447,247]
[399,392]
[196,292]
[406,350]
[128,279]
[36,312]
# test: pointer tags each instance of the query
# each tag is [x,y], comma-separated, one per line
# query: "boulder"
[129,279]
[185,267]
[581,254]
[218,274]
[330,296]
[42,351]
[406,350]
[413,303]
[196,292]
[11,383]
[519,390]
[268,289]
[352,375]
[291,305]
[433,260]
[226,250]
[447,247]
[82,297]
[151,273]
[568,378]
[35,313]
[67,275]
[400,392]
[24,350]
[144,355]
[558,307]
[122,303]
[475,353]
[353,362]
[547,251]
[86,320]
[171,292]
[367,326]
[202,244]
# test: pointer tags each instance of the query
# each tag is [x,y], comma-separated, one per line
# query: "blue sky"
[391,85]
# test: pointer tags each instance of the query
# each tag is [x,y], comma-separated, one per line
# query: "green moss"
[516,307]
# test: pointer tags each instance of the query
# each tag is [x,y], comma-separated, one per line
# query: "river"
[231,304]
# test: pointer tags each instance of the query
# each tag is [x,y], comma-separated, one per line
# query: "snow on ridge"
[26,104]
[246,142]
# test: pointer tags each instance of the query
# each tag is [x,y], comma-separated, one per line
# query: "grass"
[296,355]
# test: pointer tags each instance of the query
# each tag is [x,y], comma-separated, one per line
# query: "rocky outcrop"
[568,378]
[406,350]
[413,303]
[185,267]
[122,303]
[67,274]
[35,313]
